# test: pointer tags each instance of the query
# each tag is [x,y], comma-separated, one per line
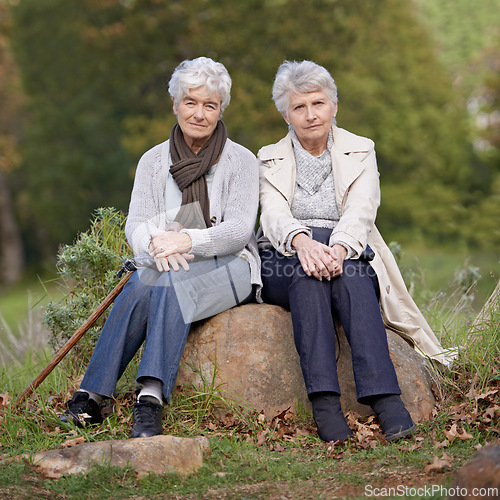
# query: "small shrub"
[88,270]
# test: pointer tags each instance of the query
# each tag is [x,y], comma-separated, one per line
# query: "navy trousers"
[352,300]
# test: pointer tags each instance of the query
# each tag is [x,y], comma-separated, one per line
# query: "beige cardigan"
[357,192]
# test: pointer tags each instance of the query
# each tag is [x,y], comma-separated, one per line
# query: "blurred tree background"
[83,93]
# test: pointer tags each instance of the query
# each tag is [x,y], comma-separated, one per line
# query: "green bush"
[88,271]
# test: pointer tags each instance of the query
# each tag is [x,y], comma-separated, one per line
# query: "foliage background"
[87,80]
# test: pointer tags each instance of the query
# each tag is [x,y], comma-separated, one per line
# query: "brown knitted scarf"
[188,170]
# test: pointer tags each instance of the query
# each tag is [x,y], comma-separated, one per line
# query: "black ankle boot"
[394,417]
[330,420]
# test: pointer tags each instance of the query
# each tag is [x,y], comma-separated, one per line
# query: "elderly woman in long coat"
[324,259]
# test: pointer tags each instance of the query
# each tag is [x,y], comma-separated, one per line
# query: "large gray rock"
[158,454]
[252,347]
[258,366]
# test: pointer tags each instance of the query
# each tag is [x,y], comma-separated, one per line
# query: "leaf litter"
[469,414]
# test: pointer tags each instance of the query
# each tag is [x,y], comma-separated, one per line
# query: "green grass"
[237,466]
[237,469]
[16,300]
[437,270]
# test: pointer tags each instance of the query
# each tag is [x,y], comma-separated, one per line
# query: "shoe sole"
[341,439]
[134,435]
[401,434]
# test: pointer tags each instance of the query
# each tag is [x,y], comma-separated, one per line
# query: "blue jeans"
[158,309]
[352,300]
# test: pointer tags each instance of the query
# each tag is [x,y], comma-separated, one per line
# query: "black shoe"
[394,417]
[327,413]
[147,418]
[82,411]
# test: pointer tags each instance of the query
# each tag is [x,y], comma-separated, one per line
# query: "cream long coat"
[357,191]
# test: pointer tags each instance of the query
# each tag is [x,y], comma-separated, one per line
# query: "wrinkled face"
[197,114]
[311,115]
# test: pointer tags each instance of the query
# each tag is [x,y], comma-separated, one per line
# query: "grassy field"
[32,293]
[439,271]
[249,458]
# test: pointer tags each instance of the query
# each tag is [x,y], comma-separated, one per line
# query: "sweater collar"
[345,142]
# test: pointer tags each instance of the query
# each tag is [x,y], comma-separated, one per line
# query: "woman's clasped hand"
[317,259]
[170,250]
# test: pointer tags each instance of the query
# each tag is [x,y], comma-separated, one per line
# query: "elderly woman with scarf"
[324,260]
[193,209]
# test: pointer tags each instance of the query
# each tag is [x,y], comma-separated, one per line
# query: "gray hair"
[202,71]
[300,78]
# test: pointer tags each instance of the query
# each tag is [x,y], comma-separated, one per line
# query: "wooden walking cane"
[129,268]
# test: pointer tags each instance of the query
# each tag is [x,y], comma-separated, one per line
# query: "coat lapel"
[347,166]
[279,168]
[347,170]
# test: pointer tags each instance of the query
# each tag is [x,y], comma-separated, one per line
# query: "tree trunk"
[11,247]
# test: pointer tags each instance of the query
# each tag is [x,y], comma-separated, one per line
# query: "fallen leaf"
[438,465]
[352,418]
[229,420]
[331,454]
[416,446]
[486,395]
[49,474]
[5,399]
[261,437]
[282,415]
[364,433]
[464,435]
[472,394]
[72,442]
[437,444]
[490,412]
[278,447]
[452,433]
[305,432]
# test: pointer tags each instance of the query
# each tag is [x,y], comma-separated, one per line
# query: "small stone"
[157,454]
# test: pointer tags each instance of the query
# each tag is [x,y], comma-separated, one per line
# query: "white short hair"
[202,71]
[300,78]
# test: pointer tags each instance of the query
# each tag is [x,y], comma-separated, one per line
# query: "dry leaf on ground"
[72,442]
[439,465]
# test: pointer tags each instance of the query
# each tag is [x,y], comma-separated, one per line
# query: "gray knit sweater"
[234,198]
